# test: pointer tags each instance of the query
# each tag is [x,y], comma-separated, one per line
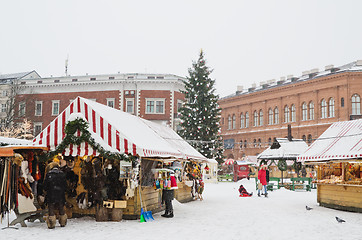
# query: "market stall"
[337,153]
[111,157]
[20,172]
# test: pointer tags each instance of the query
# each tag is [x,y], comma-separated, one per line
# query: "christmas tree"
[200,114]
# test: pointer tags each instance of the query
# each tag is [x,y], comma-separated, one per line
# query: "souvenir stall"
[20,172]
[337,155]
[281,157]
[110,158]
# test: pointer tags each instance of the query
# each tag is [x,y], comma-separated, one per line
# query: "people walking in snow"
[262,180]
[54,185]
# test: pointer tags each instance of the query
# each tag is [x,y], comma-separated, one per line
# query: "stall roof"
[342,140]
[8,151]
[116,131]
[14,141]
[283,149]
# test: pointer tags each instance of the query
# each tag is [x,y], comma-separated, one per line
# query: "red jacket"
[262,176]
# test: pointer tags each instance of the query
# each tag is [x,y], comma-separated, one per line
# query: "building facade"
[251,119]
[155,97]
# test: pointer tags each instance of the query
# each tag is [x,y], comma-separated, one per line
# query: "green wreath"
[282,165]
[85,136]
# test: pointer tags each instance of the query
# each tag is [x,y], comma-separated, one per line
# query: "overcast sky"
[244,42]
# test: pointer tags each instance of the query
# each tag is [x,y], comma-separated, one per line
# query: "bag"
[260,186]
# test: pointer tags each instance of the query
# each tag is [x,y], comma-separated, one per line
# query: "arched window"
[261,118]
[245,144]
[241,144]
[342,102]
[286,114]
[270,141]
[259,142]
[293,113]
[310,139]
[229,122]
[323,108]
[255,122]
[234,121]
[356,104]
[304,138]
[242,120]
[270,116]
[254,142]
[311,110]
[276,115]
[331,107]
[247,119]
[304,112]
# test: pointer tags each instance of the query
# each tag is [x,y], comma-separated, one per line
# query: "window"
[5,93]
[304,112]
[286,113]
[241,144]
[247,119]
[276,115]
[356,104]
[110,102]
[229,122]
[38,108]
[255,143]
[245,144]
[179,105]
[255,122]
[293,113]
[55,107]
[269,141]
[75,80]
[155,106]
[323,108]
[38,126]
[342,102]
[310,139]
[3,107]
[130,105]
[22,109]
[234,121]
[261,118]
[259,142]
[242,120]
[331,107]
[311,111]
[270,116]
[304,138]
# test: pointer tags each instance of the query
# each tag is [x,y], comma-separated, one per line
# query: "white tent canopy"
[116,131]
[287,150]
[342,140]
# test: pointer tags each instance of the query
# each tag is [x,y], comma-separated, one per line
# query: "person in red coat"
[262,180]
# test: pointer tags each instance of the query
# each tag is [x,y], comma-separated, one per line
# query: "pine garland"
[80,125]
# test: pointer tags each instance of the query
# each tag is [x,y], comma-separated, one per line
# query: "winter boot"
[165,214]
[170,215]
[258,194]
[51,220]
[266,195]
[63,220]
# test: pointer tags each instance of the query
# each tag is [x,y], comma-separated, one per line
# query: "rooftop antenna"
[66,66]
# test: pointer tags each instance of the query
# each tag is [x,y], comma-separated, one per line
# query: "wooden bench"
[303,182]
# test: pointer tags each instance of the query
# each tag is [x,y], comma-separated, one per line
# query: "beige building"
[310,103]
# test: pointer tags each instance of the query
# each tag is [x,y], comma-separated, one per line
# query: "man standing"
[54,185]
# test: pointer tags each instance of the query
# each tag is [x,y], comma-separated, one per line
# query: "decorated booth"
[337,154]
[115,160]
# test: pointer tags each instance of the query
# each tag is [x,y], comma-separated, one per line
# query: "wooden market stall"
[112,157]
[337,153]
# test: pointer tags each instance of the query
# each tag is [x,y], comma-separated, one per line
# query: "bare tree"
[10,115]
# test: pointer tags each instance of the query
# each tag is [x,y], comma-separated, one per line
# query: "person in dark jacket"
[55,184]
[167,197]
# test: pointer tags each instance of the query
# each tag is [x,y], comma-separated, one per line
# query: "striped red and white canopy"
[229,161]
[114,130]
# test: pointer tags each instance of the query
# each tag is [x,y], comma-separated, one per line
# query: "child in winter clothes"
[243,192]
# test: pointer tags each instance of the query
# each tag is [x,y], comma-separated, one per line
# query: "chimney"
[239,89]
[253,86]
[282,80]
[329,67]
[313,72]
[290,133]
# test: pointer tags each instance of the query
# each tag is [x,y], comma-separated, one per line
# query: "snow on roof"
[116,131]
[14,141]
[286,150]
[14,75]
[342,140]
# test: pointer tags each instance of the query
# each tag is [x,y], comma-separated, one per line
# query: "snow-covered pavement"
[222,215]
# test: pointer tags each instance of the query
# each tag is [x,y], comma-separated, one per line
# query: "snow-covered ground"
[222,215]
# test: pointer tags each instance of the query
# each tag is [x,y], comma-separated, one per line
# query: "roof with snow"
[13,76]
[283,149]
[342,140]
[14,141]
[355,66]
[116,131]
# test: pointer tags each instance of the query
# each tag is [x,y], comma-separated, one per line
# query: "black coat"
[55,184]
[267,175]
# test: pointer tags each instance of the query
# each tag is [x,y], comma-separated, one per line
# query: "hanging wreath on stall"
[282,165]
[85,136]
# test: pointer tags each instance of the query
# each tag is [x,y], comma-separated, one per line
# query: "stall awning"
[283,149]
[115,131]
[342,140]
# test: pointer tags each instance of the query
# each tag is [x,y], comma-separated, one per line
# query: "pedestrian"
[168,195]
[54,186]
[262,180]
